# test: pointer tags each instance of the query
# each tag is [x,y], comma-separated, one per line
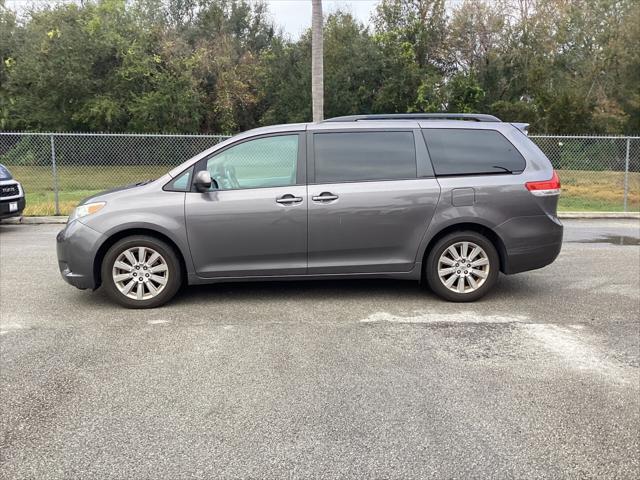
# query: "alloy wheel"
[463,267]
[140,273]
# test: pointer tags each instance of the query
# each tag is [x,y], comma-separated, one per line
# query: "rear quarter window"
[471,152]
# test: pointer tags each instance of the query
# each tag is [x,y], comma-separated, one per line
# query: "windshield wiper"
[502,168]
[144,182]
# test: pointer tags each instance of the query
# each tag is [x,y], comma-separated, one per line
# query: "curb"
[34,220]
[561,215]
[599,215]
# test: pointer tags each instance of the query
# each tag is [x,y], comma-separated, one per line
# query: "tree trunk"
[317,69]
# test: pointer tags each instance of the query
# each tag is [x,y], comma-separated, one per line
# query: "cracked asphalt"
[326,379]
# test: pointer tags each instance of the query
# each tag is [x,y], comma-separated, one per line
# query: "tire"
[160,272]
[484,270]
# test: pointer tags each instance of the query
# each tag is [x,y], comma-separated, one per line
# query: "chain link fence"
[57,170]
[598,173]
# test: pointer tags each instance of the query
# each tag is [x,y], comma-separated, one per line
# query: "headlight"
[86,209]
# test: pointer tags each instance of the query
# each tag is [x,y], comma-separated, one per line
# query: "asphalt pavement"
[326,379]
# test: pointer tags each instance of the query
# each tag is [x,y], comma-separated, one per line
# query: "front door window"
[260,163]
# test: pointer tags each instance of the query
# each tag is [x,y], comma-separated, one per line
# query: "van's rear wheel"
[141,272]
[462,266]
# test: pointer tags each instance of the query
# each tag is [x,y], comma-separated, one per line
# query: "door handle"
[324,197]
[288,199]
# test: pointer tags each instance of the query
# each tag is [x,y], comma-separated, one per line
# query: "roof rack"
[474,117]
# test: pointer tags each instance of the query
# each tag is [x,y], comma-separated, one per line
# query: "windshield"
[4,173]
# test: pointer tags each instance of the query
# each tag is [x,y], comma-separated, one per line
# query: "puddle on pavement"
[612,239]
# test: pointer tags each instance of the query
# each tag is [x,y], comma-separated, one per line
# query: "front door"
[255,223]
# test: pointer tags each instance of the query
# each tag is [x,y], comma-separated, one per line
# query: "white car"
[11,195]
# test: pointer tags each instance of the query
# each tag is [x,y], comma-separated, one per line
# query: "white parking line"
[9,327]
[574,351]
[459,317]
[571,345]
[157,322]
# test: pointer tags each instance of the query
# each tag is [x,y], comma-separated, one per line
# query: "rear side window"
[471,152]
[362,156]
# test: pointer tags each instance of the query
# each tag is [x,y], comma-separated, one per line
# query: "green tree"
[9,40]
[565,66]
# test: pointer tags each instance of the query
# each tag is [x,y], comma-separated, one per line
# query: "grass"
[76,183]
[581,190]
[598,191]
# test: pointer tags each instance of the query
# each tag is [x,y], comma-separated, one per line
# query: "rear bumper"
[532,259]
[76,247]
[530,242]
[5,207]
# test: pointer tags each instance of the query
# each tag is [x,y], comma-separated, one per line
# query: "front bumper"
[77,246]
[5,211]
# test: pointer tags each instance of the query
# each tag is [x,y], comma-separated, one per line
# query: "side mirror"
[203,181]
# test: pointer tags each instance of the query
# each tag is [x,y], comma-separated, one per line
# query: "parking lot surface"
[326,379]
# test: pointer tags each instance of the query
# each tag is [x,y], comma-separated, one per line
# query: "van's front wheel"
[141,272]
[462,266]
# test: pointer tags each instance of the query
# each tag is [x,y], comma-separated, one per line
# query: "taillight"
[546,187]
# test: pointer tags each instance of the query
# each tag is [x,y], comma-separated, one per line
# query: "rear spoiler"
[523,127]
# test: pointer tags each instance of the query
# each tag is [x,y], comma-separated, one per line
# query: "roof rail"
[474,117]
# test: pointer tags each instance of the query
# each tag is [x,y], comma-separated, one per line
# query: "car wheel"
[141,272]
[462,266]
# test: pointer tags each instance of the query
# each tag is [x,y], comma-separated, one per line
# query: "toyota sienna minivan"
[446,199]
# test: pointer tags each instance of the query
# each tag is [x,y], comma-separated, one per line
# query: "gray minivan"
[449,199]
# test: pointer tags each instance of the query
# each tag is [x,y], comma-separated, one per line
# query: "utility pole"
[317,68]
